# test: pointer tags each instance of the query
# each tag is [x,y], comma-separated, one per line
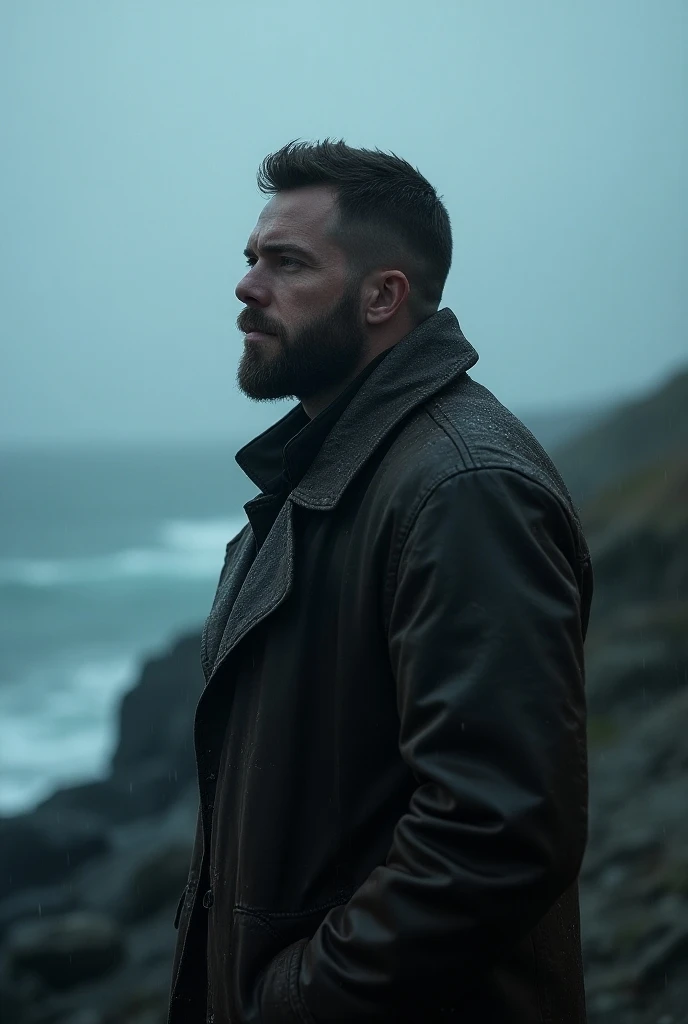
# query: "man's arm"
[486,646]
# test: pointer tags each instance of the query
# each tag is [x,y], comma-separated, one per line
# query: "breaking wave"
[185,549]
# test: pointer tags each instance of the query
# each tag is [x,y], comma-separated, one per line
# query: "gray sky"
[131,134]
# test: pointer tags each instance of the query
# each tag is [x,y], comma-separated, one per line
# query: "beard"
[317,356]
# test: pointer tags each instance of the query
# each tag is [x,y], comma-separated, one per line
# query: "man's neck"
[317,403]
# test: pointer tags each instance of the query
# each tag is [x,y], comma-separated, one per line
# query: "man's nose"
[250,292]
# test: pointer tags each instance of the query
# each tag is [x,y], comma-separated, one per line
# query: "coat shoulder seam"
[436,482]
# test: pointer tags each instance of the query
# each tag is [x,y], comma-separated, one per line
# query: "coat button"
[208,899]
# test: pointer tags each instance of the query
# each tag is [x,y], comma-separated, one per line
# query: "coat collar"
[259,581]
[417,367]
[279,457]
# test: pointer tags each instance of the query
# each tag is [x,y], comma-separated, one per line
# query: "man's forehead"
[301,214]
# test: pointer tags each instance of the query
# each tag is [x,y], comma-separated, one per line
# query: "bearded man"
[391,741]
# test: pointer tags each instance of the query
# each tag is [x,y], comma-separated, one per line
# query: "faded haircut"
[388,215]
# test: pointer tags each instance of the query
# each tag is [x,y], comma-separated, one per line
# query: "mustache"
[251,320]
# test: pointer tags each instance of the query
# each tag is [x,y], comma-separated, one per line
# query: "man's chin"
[261,390]
[259,396]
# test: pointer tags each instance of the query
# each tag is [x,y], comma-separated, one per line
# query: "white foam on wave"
[199,535]
[58,727]
[186,549]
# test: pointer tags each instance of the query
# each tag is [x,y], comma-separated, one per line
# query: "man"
[391,742]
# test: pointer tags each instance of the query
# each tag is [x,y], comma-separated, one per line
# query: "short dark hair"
[388,213]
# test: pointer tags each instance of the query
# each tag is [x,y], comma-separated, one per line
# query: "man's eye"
[286,261]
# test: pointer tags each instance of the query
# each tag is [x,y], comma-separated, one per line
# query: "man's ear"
[389,290]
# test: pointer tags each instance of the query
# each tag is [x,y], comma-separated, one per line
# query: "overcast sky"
[131,131]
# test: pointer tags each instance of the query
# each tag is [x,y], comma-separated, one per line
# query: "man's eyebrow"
[281,247]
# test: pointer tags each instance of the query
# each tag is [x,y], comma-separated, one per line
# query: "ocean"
[105,556]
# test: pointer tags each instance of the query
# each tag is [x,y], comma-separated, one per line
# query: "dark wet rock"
[148,867]
[634,675]
[66,950]
[136,991]
[663,957]
[116,850]
[156,882]
[46,846]
[634,436]
[29,904]
[634,880]
[154,719]
[12,1005]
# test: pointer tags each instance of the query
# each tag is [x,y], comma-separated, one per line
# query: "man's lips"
[258,336]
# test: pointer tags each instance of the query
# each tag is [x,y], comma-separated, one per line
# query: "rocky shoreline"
[90,880]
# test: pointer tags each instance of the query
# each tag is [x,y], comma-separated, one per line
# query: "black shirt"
[278,458]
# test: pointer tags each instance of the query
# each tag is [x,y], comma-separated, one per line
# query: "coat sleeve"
[486,647]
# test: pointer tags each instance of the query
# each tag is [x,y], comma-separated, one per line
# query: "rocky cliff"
[89,881]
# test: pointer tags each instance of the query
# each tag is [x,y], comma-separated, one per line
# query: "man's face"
[304,327]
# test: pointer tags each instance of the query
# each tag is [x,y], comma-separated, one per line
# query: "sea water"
[106,555]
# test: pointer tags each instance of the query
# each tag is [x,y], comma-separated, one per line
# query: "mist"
[133,132]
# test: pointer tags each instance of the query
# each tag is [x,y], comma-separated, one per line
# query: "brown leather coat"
[391,742]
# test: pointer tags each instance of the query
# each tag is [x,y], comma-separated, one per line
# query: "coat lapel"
[227,591]
[252,590]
